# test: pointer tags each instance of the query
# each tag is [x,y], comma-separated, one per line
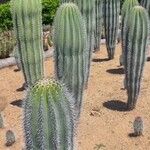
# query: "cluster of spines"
[125,13]
[135,52]
[27,20]
[48,117]
[70,50]
[111,23]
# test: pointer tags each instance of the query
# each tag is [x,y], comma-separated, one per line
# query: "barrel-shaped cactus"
[111,22]
[48,117]
[98,24]
[87,8]
[27,21]
[70,49]
[125,13]
[135,52]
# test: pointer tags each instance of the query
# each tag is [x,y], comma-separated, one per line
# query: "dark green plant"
[70,50]
[48,117]
[127,6]
[146,4]
[87,8]
[7,44]
[111,23]
[135,52]
[98,24]
[28,31]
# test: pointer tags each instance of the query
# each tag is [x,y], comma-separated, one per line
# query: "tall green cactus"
[48,117]
[65,1]
[135,52]
[146,4]
[127,6]
[111,23]
[87,8]
[27,21]
[70,49]
[98,24]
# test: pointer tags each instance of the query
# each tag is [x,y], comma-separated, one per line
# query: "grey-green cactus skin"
[111,23]
[135,52]
[87,8]
[27,21]
[65,1]
[98,24]
[125,13]
[146,4]
[48,117]
[70,50]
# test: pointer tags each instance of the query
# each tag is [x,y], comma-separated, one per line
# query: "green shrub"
[48,13]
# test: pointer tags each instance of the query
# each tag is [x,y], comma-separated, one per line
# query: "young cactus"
[111,22]
[48,117]
[27,21]
[70,50]
[98,24]
[135,52]
[138,126]
[125,13]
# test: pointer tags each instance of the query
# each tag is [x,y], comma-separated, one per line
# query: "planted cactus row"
[27,23]
[48,117]
[135,52]
[111,23]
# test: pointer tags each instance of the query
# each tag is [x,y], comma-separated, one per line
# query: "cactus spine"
[27,22]
[111,23]
[98,24]
[127,6]
[135,52]
[70,46]
[87,8]
[48,117]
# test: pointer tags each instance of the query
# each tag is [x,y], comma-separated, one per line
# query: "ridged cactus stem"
[70,50]
[146,4]
[27,21]
[48,117]
[111,23]
[135,52]
[98,24]
[125,13]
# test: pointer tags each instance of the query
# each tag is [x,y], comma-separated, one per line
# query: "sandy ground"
[104,124]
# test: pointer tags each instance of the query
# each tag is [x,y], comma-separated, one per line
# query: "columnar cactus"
[70,49]
[138,126]
[125,13]
[87,8]
[146,4]
[27,23]
[98,24]
[135,52]
[111,22]
[48,117]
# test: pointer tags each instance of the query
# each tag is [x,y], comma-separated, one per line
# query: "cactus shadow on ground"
[132,135]
[115,105]
[116,71]
[17,103]
[100,60]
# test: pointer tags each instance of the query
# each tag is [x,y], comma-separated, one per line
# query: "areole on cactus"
[27,21]
[70,50]
[135,52]
[48,117]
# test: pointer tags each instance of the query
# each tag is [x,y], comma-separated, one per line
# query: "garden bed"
[104,123]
